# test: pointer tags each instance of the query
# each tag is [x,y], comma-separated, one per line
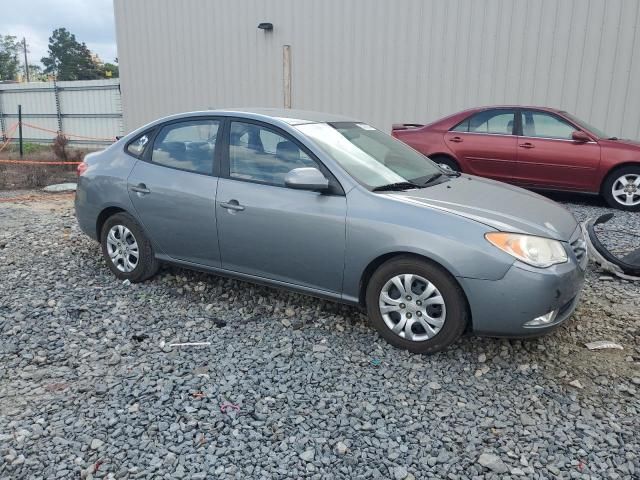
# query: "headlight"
[537,251]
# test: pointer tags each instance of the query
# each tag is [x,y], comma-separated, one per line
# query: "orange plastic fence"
[35,162]
[11,130]
[67,134]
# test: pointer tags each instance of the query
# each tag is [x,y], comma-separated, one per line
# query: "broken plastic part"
[627,267]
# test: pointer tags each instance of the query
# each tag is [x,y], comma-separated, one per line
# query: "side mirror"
[581,137]
[307,178]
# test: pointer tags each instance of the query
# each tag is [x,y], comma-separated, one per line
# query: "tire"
[614,182]
[446,162]
[448,305]
[127,232]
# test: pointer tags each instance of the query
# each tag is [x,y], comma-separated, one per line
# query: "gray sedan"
[332,207]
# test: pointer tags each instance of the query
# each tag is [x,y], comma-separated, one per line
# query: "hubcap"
[122,248]
[412,307]
[626,189]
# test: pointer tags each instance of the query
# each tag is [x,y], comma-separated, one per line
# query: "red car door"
[549,157]
[485,144]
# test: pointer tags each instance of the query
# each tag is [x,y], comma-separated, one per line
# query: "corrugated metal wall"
[89,111]
[383,61]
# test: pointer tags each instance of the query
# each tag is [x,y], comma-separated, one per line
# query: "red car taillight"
[82,167]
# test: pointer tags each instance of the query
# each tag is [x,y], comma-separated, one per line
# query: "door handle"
[140,188]
[232,205]
[455,139]
[526,145]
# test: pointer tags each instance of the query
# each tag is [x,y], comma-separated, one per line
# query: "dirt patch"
[32,175]
[16,176]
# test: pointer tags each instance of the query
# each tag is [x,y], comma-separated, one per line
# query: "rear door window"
[188,145]
[496,122]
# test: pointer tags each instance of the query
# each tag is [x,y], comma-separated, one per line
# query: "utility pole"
[26,62]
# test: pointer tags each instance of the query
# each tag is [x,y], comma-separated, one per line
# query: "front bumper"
[503,307]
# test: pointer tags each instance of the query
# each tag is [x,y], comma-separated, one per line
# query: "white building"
[382,61]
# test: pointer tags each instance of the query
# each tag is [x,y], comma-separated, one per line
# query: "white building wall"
[383,61]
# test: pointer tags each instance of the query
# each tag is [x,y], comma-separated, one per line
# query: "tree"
[109,70]
[69,59]
[9,63]
[36,74]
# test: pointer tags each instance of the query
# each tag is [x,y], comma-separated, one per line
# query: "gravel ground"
[289,386]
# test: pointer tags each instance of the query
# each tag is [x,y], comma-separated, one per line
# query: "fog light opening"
[542,320]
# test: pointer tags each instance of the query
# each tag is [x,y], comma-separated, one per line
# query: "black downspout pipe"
[20,129]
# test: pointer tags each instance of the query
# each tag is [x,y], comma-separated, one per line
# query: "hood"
[496,204]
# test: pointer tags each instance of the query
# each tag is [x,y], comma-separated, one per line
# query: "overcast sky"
[91,21]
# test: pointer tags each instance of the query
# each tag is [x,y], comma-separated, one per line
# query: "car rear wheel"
[447,163]
[127,250]
[416,305]
[621,188]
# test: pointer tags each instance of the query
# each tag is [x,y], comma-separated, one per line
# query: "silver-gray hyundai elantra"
[332,207]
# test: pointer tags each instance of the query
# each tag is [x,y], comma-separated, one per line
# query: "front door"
[268,230]
[173,190]
[486,144]
[549,157]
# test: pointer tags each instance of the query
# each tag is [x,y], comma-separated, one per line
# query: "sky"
[91,21]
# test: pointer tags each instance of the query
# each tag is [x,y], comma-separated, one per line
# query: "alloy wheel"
[412,307]
[122,248]
[626,190]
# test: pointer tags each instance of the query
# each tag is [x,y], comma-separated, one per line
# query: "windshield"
[373,158]
[582,124]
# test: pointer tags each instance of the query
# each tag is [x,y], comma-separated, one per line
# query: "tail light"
[82,167]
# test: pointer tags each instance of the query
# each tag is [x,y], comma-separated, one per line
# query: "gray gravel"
[289,386]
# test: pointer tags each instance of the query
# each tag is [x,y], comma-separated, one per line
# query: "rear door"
[485,143]
[173,189]
[549,157]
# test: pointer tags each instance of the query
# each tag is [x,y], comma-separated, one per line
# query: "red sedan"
[532,147]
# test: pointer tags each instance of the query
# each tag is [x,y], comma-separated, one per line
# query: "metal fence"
[87,112]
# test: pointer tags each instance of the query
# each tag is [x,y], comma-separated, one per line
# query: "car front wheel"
[621,189]
[126,249]
[416,305]
[446,163]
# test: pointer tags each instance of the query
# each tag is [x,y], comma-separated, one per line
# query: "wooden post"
[26,62]
[286,70]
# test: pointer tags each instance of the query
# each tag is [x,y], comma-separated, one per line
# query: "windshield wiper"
[396,186]
[612,138]
[431,178]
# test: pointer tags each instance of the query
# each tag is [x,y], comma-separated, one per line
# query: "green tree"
[69,59]
[109,70]
[9,63]
[36,74]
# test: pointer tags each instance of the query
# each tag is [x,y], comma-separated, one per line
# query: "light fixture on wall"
[266,26]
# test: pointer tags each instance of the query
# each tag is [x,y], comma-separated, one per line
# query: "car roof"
[283,115]
[526,107]
[454,118]
[287,115]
